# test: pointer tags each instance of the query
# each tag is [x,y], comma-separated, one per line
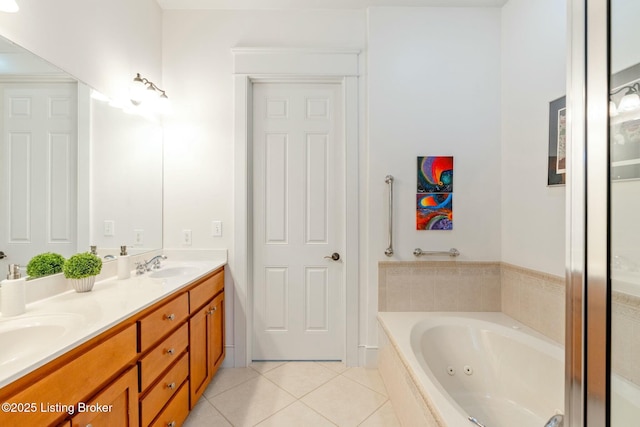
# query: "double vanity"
[139,351]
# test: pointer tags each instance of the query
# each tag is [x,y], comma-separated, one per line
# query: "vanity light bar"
[143,87]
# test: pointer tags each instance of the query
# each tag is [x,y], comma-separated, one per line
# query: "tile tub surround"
[534,298]
[531,297]
[439,286]
[412,408]
[625,337]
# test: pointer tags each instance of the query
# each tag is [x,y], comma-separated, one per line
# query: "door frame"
[588,303]
[252,65]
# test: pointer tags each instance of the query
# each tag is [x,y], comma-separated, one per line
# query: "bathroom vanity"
[135,363]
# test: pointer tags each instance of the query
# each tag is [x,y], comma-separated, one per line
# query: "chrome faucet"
[555,421]
[154,262]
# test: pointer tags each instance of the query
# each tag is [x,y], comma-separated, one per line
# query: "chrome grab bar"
[389,180]
[453,252]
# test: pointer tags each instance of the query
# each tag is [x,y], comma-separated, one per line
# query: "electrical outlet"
[186,237]
[138,237]
[109,228]
[216,228]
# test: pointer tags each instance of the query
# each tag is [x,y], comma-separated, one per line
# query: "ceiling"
[319,4]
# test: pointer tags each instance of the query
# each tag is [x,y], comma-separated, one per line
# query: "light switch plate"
[216,228]
[186,237]
[109,227]
[138,237]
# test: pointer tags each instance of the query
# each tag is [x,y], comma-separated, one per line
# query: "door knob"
[334,256]
[2,255]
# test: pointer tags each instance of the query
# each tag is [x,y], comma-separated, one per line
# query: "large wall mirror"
[624,205]
[74,171]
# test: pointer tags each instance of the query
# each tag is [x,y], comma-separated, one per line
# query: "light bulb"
[137,90]
[613,110]
[629,102]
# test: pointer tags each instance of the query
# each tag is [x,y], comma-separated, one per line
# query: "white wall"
[434,89]
[198,64]
[625,37]
[103,43]
[533,74]
[199,135]
[126,184]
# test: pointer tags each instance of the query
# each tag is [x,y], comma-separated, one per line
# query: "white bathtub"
[482,365]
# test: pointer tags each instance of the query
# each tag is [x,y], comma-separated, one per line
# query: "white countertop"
[110,302]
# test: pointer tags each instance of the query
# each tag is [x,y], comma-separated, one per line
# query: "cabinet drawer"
[176,411]
[162,356]
[160,393]
[116,405]
[68,384]
[202,293]
[158,323]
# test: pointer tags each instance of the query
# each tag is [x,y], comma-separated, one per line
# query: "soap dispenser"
[124,264]
[13,296]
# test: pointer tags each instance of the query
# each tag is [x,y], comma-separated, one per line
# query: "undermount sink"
[24,336]
[173,272]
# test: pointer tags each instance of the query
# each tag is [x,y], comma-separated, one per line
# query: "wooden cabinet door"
[116,405]
[206,345]
[217,333]
[199,374]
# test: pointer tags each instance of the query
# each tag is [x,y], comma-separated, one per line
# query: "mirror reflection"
[74,171]
[126,184]
[624,109]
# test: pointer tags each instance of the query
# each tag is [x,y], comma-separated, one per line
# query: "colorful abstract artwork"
[434,198]
[435,174]
[434,211]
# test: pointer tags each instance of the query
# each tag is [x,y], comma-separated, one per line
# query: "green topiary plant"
[45,264]
[82,265]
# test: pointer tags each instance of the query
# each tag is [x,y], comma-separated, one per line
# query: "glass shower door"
[624,220]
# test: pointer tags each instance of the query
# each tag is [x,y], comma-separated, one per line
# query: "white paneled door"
[298,221]
[38,186]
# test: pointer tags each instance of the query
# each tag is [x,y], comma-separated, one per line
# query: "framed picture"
[556,172]
[434,190]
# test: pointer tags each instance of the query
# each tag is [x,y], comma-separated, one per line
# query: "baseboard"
[229,357]
[368,356]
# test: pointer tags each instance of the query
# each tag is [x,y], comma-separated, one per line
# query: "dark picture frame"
[556,169]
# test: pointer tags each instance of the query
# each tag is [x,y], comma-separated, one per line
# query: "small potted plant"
[45,264]
[81,269]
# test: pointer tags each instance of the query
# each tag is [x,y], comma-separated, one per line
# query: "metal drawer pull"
[171,386]
[170,316]
[171,424]
[171,351]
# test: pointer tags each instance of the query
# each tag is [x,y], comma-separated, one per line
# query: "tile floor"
[296,394]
